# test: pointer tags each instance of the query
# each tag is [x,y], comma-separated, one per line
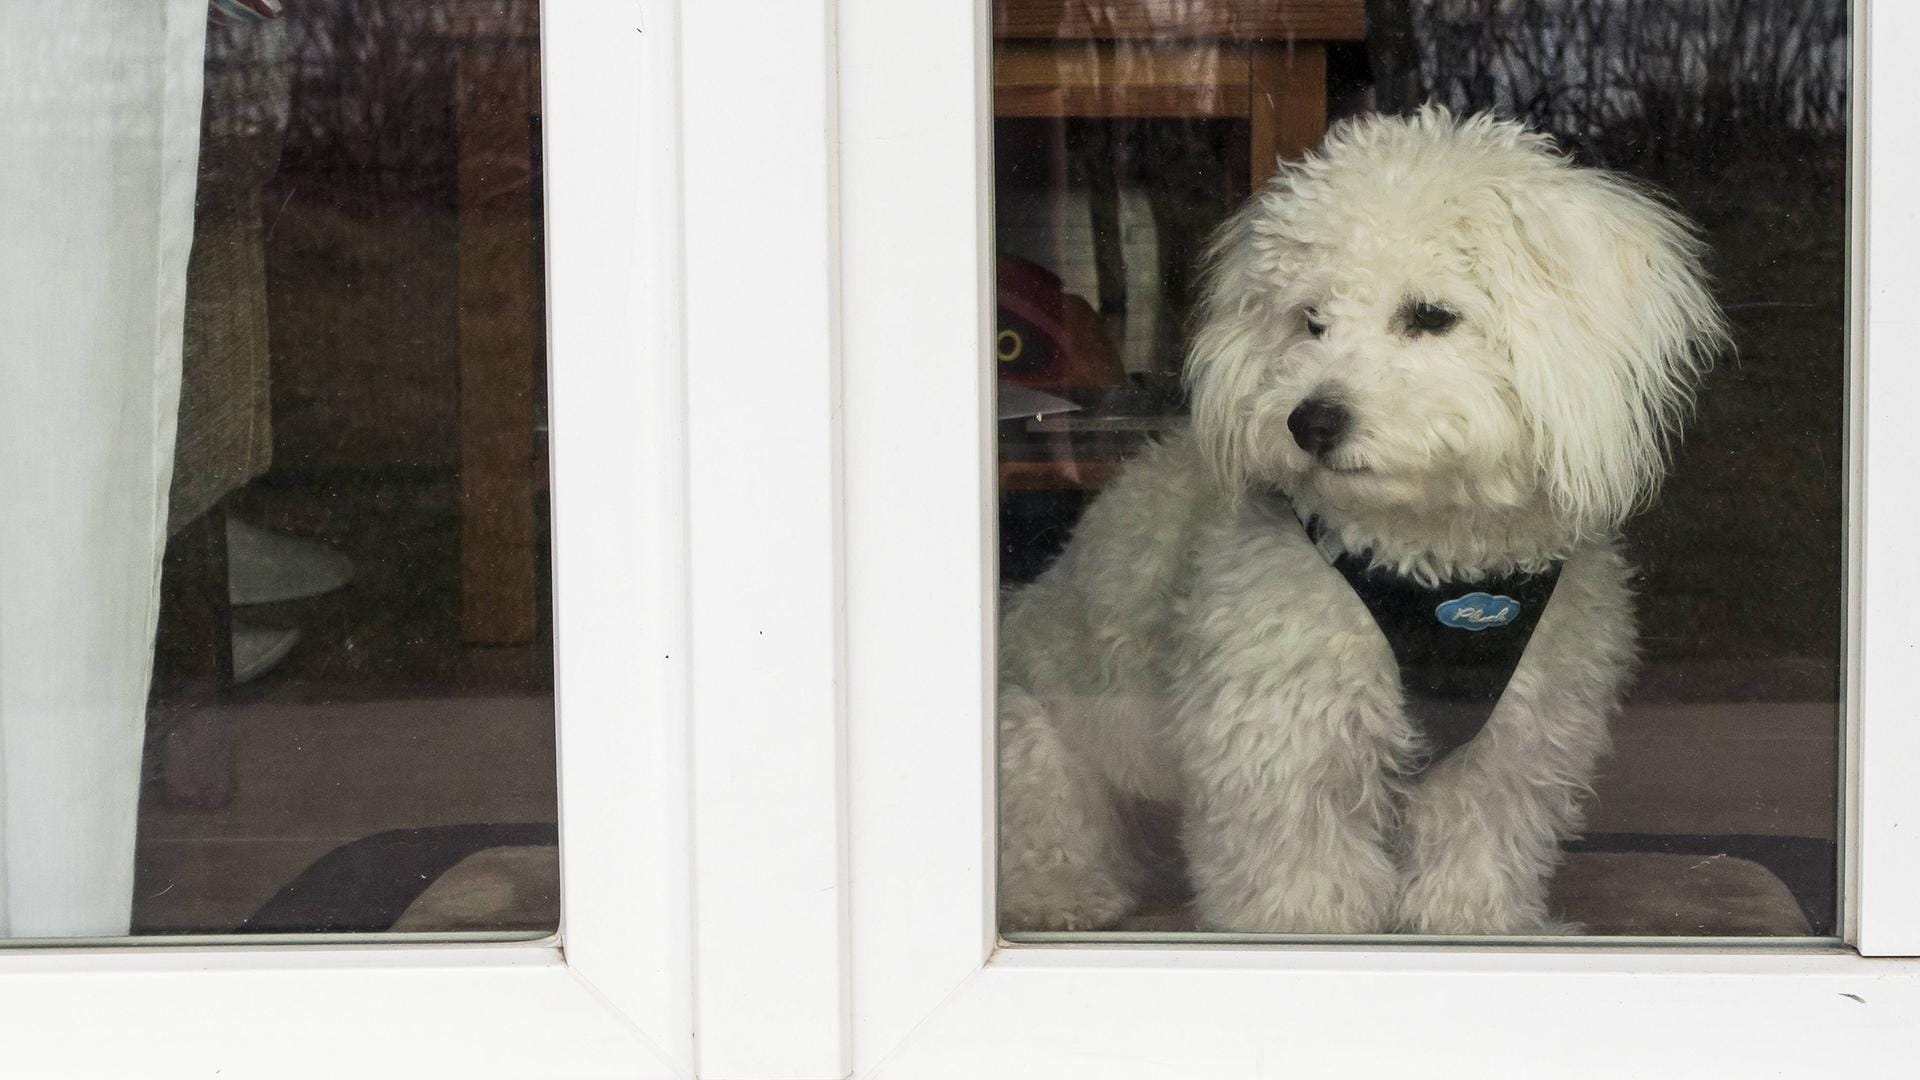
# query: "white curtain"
[99,126]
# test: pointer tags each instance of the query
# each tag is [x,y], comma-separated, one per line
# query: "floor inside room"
[316,779]
[381,734]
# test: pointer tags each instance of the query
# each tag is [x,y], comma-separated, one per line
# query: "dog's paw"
[1459,905]
[1063,898]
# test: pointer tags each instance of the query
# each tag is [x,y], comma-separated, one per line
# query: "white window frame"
[769,282]
[934,993]
[612,995]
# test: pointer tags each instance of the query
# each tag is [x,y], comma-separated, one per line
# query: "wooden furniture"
[1080,474]
[1262,61]
[497,105]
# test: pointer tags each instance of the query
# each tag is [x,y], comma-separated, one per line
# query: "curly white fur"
[1192,646]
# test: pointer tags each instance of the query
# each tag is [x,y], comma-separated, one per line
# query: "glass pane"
[275,646]
[1422,462]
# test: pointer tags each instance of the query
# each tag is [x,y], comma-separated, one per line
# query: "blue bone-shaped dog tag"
[1478,611]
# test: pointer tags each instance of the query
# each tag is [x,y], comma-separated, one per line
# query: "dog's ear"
[1610,324]
[1238,320]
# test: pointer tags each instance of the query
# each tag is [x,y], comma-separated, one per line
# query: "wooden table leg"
[499,340]
[1289,107]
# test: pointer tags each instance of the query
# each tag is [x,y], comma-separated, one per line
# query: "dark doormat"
[365,885]
[1808,867]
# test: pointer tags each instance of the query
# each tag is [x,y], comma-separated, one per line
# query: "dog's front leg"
[1289,810]
[1289,733]
[1483,827]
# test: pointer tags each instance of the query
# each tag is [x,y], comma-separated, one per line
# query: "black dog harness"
[1457,644]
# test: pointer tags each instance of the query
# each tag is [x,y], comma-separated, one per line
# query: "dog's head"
[1434,313]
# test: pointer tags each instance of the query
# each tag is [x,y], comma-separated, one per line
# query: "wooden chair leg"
[500,339]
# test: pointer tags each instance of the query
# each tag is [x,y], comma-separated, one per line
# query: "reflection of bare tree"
[1659,84]
[1393,54]
[372,88]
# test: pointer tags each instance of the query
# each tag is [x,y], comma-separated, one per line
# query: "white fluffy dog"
[1461,359]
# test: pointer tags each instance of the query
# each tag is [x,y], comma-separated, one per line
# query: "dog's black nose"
[1318,424]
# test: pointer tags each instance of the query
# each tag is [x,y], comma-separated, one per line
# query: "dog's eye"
[1431,318]
[1315,326]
